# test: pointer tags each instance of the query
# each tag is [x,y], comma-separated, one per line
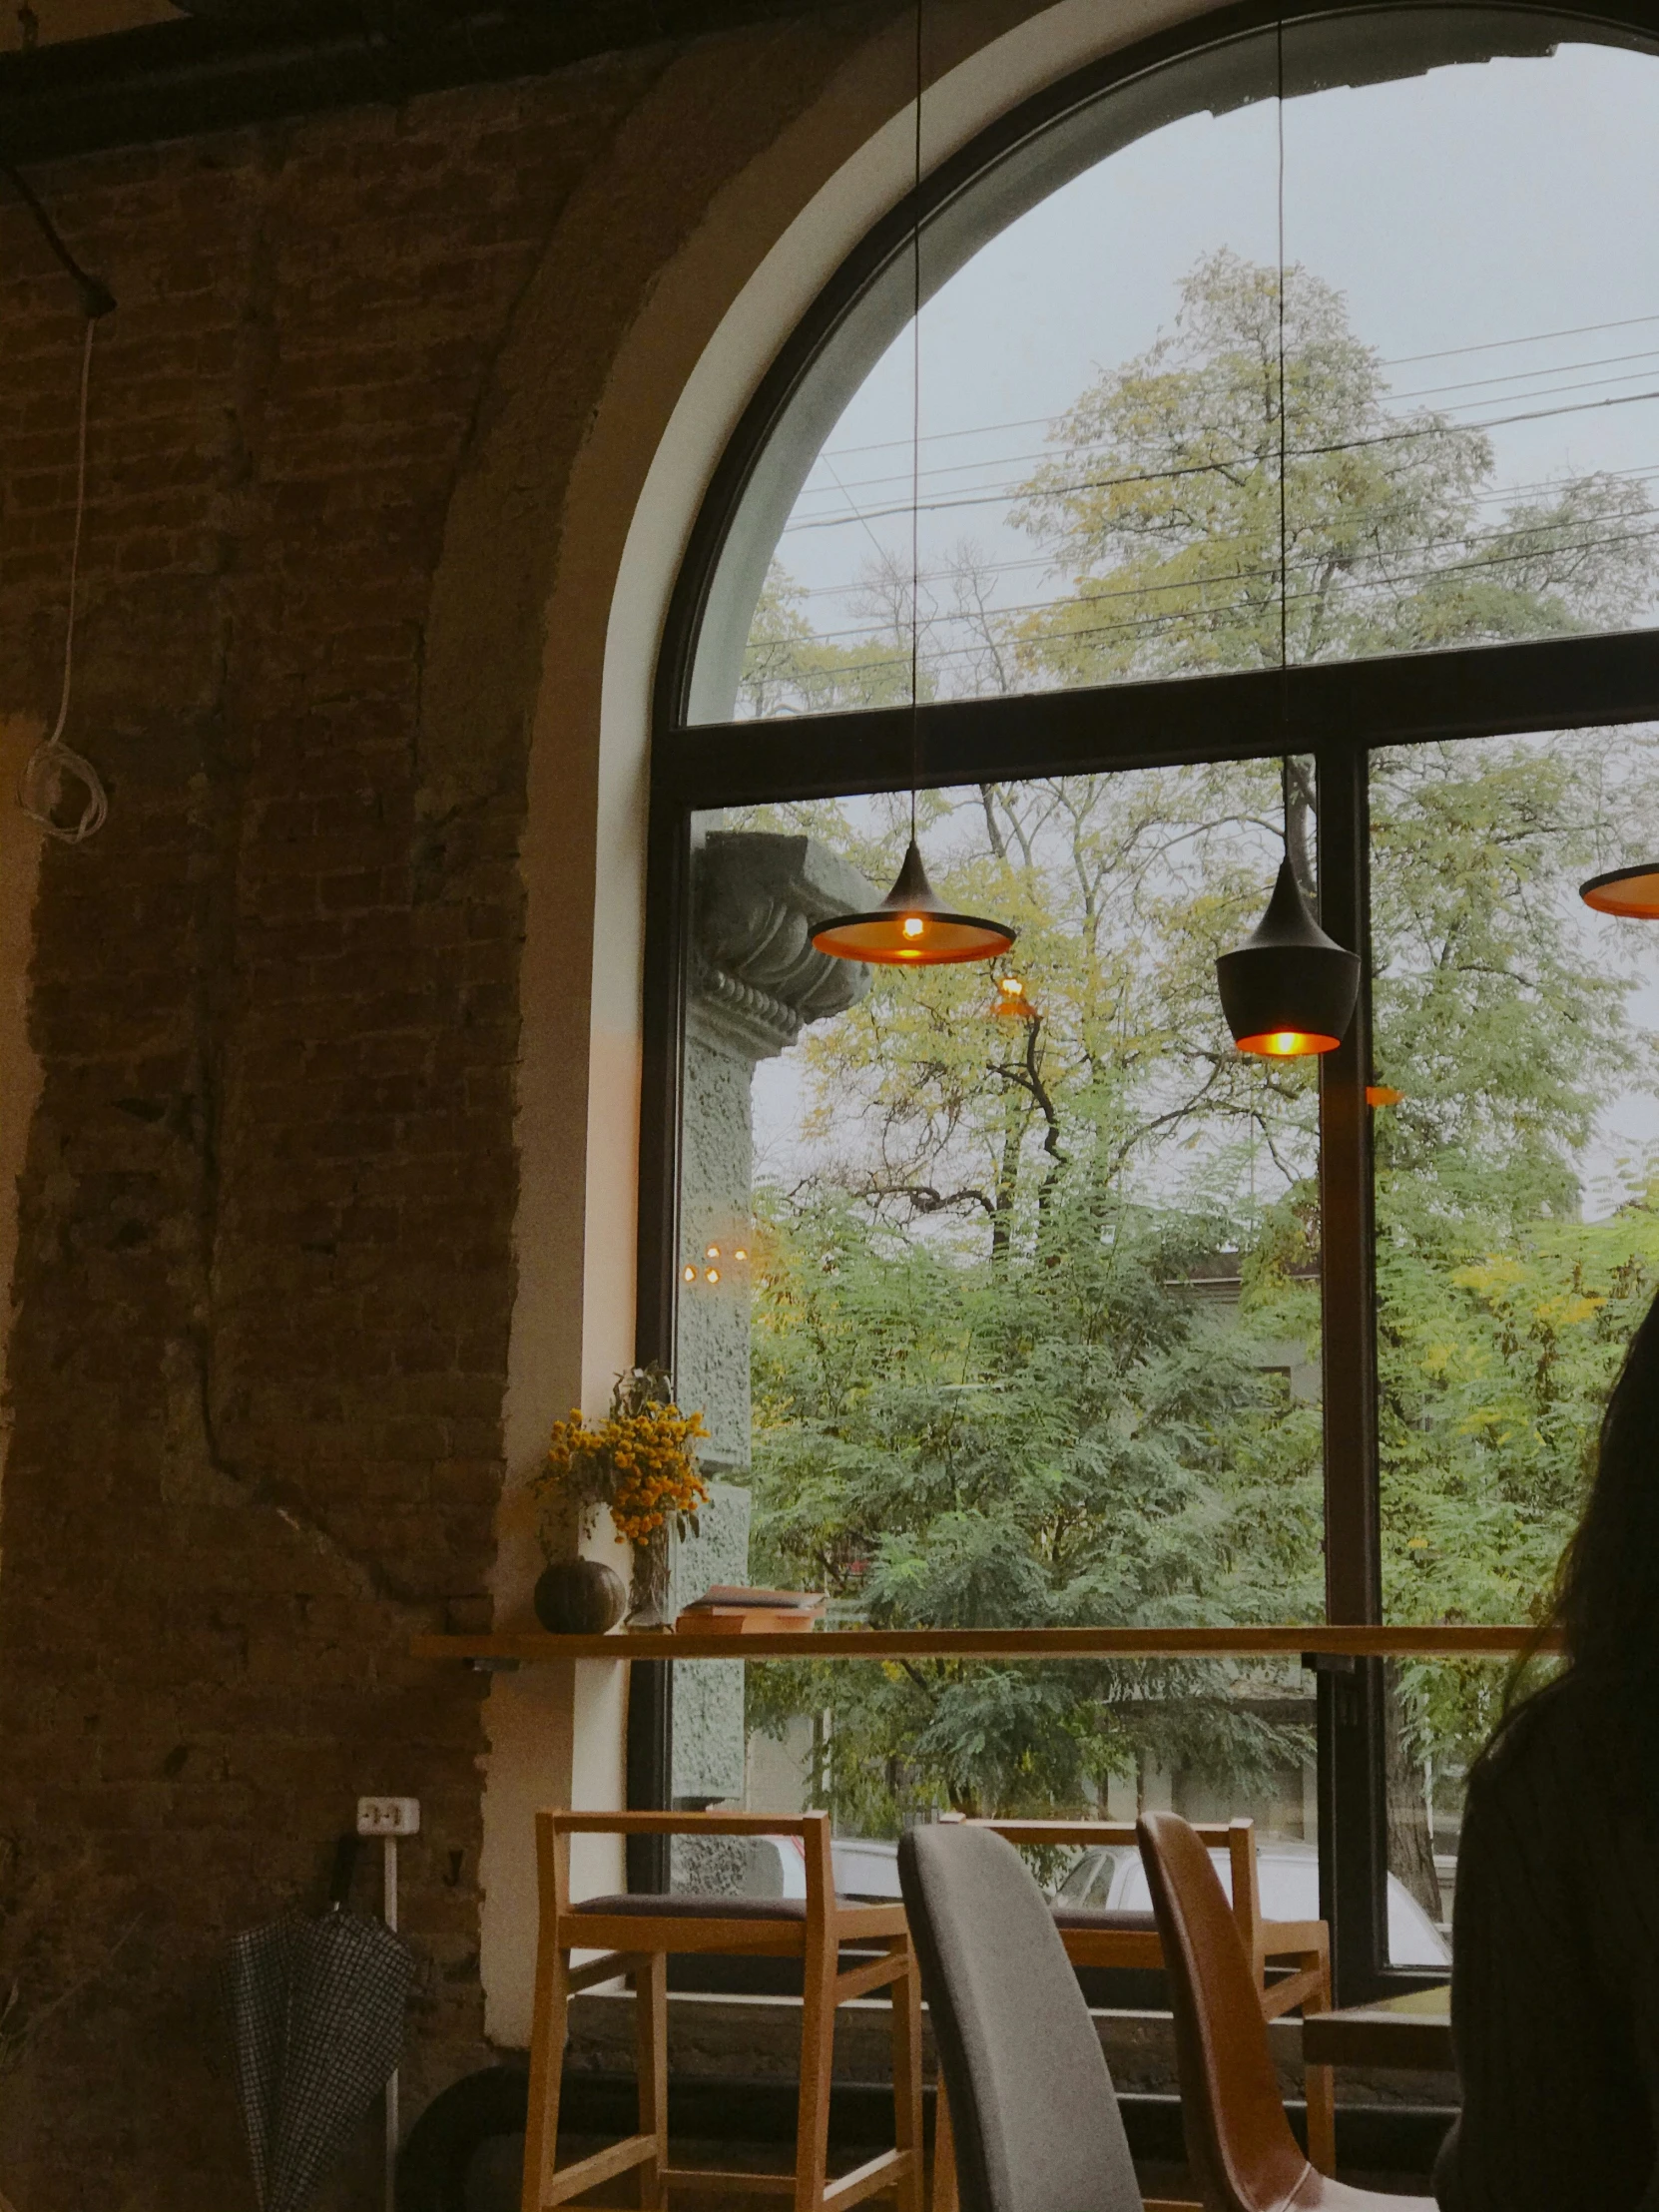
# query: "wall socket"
[388,1816]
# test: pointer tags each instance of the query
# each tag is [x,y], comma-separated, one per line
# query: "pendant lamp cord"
[1284,449]
[915,440]
[1283,508]
[40,787]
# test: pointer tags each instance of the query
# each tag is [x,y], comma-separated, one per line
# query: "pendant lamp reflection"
[1288,990]
[1630,892]
[910,928]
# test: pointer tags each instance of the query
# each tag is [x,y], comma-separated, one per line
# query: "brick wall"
[264,1271]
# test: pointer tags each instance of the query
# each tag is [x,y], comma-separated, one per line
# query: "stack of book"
[730,1609]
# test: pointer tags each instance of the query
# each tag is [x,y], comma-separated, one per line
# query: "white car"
[1287,1875]
[1113,1878]
[776,1868]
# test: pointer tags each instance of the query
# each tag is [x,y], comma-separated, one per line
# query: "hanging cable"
[52,766]
[915,440]
[912,926]
[1283,442]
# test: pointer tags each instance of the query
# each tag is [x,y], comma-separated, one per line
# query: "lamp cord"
[915,439]
[1284,511]
[41,785]
[1283,501]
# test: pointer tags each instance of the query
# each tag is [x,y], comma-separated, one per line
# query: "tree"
[789,669]
[1161,506]
[987,1387]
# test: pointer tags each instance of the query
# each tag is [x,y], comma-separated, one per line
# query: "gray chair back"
[1032,2107]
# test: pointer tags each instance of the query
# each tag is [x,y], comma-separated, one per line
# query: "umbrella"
[316,2017]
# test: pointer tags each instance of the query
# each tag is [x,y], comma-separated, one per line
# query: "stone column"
[756,983]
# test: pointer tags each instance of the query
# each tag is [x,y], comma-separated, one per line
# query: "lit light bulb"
[688,1274]
[711,1252]
[913,925]
[710,1275]
[740,1254]
[1010,985]
[1289,1044]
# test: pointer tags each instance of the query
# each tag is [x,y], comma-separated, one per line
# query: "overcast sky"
[1467,209]
[1494,227]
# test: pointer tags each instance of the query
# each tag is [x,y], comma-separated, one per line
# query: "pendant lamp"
[910,928]
[1630,892]
[1289,989]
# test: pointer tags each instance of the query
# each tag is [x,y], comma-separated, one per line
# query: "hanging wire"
[52,765]
[1284,510]
[915,440]
[1284,460]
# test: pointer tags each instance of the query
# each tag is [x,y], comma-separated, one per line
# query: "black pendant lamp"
[1288,990]
[1630,892]
[910,928]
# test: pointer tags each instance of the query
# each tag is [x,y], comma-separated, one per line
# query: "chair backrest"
[1032,2107]
[1240,2148]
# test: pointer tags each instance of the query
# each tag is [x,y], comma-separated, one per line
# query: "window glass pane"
[1001,1318]
[1518,1197]
[1471,415]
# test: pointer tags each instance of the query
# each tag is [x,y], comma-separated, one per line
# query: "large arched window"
[1081,1318]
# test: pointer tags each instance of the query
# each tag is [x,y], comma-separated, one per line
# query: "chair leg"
[650,1980]
[1318,2086]
[547,2062]
[818,2055]
[944,2152]
[906,1997]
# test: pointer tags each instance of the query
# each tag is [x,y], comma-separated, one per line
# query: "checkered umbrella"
[317,2016]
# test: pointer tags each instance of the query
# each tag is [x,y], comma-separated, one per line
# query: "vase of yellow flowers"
[641,1464]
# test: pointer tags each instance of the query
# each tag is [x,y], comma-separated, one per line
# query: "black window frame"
[1336,712]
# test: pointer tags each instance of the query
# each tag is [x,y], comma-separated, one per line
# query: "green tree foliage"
[789,669]
[1161,506]
[989,1384]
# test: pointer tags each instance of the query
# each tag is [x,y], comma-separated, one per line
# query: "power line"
[1398,360]
[1213,468]
[1228,611]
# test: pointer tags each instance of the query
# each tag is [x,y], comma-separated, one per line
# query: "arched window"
[1076,1318]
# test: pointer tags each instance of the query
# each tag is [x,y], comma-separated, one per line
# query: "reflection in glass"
[1517,1199]
[1029,1331]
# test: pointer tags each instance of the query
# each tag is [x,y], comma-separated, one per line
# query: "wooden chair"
[1238,2143]
[635,1934]
[1100,1936]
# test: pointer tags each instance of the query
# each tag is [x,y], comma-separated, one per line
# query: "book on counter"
[736,1609]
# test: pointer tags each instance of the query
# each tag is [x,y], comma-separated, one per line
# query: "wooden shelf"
[996,1643]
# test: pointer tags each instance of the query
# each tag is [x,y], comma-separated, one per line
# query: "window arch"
[1298,1374]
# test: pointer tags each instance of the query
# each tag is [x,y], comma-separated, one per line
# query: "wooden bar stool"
[1101,1936]
[636,1934]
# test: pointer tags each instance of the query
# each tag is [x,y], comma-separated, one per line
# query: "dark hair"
[1608,1596]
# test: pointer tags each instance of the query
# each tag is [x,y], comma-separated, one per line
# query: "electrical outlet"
[388,1816]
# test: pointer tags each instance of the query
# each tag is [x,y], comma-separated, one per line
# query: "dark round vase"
[579,1597]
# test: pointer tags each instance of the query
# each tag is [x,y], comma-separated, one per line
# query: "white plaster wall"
[716,318]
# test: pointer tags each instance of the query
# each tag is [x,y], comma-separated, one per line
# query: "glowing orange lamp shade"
[1630,892]
[1288,990]
[1011,1001]
[1288,1044]
[1381,1094]
[910,928]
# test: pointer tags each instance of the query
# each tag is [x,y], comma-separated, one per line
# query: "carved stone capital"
[755,979]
